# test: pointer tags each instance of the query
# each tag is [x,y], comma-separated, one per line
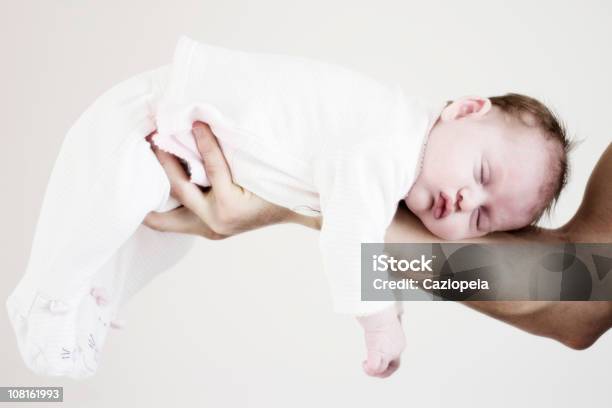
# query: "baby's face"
[481,173]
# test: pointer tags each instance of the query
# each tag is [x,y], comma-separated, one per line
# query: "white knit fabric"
[302,134]
[89,233]
[297,132]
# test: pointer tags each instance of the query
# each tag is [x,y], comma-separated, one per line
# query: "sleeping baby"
[302,134]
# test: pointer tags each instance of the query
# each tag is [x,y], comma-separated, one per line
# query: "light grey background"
[216,330]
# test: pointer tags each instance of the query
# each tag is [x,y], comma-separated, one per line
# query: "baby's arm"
[358,200]
[231,211]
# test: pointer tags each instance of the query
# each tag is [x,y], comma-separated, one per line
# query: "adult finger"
[181,220]
[216,167]
[177,220]
[181,188]
[171,165]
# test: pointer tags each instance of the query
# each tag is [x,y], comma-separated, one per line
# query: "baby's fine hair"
[532,112]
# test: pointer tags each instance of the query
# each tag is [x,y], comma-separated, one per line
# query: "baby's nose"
[465,200]
[459,201]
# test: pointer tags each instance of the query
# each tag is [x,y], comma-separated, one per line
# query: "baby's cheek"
[418,200]
[447,228]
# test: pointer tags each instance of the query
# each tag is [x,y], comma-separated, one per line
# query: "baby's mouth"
[439,206]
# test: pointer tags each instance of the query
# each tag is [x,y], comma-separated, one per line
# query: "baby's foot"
[385,341]
[64,337]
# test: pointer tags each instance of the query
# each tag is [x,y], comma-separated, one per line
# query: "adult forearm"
[576,324]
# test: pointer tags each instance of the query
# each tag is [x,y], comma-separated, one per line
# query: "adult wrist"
[310,222]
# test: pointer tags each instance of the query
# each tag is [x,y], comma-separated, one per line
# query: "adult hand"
[225,209]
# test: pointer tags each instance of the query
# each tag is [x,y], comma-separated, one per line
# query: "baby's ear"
[465,106]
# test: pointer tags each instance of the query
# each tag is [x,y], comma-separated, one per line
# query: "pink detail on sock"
[117,324]
[101,295]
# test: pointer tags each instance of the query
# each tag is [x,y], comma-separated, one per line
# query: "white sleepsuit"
[297,132]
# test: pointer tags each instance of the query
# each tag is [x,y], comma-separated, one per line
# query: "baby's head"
[490,164]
